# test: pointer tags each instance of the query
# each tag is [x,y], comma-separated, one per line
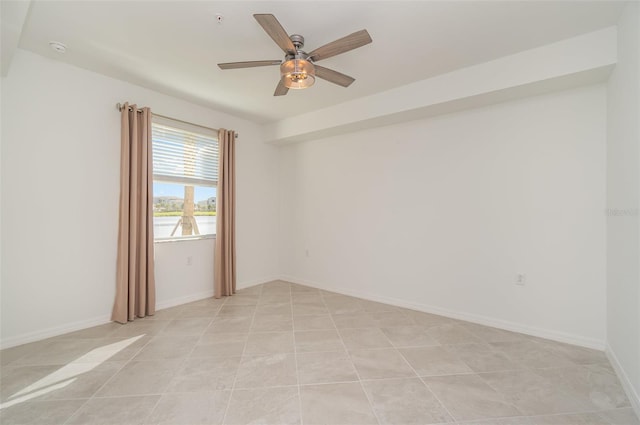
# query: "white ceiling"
[173,46]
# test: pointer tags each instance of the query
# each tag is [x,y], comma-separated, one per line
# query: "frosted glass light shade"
[297,74]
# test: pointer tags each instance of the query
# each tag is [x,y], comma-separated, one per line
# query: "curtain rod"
[120,106]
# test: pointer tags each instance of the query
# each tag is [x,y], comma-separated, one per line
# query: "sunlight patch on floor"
[68,373]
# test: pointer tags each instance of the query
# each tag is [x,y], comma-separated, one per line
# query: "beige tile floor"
[282,353]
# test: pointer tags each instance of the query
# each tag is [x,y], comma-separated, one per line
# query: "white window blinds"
[184,155]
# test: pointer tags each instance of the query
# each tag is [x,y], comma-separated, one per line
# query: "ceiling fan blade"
[272,27]
[344,44]
[332,76]
[281,89]
[249,64]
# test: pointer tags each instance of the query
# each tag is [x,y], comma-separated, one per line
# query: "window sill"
[183,239]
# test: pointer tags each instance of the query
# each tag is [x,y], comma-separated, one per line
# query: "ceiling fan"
[298,70]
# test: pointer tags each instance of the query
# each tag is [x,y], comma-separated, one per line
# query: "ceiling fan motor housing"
[297,40]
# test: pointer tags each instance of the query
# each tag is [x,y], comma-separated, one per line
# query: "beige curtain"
[225,254]
[135,279]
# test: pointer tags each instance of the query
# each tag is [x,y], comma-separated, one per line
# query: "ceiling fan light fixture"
[297,74]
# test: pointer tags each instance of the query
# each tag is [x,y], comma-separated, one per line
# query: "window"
[185,174]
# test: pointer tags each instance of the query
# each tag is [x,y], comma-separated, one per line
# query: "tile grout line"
[295,357]
[500,392]
[418,375]
[420,379]
[596,412]
[579,412]
[93,396]
[186,358]
[373,410]
[233,386]
[298,385]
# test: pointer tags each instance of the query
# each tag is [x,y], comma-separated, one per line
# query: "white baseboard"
[53,331]
[161,305]
[89,323]
[255,282]
[482,320]
[632,394]
[101,320]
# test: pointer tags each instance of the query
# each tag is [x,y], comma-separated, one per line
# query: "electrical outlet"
[521,279]
[189,260]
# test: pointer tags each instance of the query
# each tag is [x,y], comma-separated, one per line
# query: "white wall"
[440,214]
[177,281]
[60,183]
[623,201]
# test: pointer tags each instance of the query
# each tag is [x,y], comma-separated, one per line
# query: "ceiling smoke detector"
[57,46]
